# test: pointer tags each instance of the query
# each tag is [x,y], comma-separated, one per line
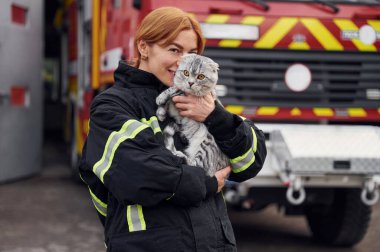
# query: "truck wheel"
[343,223]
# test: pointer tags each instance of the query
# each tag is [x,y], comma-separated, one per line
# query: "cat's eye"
[186,73]
[200,77]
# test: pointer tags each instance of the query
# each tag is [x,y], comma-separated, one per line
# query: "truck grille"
[256,78]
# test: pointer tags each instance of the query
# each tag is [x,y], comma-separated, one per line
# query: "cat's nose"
[191,83]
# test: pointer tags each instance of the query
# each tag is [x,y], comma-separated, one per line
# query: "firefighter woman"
[147,198]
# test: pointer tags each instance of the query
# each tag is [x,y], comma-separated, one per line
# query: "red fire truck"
[307,71]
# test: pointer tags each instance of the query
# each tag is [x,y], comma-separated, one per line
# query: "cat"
[198,76]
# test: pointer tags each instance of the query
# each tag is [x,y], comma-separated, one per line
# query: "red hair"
[163,25]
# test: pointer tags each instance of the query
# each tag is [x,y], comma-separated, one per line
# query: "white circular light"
[367,35]
[298,77]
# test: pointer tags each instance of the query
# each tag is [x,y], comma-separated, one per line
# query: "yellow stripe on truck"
[217,18]
[320,32]
[356,112]
[375,24]
[348,25]
[276,33]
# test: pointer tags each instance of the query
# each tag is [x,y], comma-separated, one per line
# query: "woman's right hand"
[221,176]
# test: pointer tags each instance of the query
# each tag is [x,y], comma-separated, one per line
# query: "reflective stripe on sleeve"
[100,206]
[135,218]
[128,131]
[153,123]
[241,163]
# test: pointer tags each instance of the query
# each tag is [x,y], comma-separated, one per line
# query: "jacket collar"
[131,77]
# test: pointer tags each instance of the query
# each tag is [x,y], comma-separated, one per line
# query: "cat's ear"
[214,66]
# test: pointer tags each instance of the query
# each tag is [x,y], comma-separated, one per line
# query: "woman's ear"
[142,46]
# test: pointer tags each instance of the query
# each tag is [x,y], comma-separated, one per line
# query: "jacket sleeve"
[240,140]
[126,155]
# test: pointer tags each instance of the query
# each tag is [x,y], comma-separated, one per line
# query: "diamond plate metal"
[321,149]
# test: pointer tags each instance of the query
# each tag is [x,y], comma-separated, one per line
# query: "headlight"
[298,77]
[230,31]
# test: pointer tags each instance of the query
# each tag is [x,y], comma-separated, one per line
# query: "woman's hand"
[221,176]
[197,108]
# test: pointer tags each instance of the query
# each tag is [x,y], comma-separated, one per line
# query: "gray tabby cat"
[198,76]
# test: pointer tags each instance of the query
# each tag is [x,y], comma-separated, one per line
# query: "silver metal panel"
[330,149]
[20,64]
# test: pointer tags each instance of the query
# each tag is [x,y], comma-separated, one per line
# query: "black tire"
[343,223]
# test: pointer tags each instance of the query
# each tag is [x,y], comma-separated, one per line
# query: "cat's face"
[196,75]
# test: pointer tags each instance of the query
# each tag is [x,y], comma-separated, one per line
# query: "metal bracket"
[370,194]
[296,194]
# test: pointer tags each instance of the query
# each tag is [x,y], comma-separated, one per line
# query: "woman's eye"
[174,50]
[186,73]
[200,77]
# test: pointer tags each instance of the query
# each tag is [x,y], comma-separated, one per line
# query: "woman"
[147,198]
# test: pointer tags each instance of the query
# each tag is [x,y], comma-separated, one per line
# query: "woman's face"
[163,61]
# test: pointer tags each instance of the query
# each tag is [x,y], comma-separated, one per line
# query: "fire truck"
[306,71]
[21,58]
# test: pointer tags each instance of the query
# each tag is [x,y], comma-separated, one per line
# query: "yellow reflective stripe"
[252,20]
[241,163]
[135,218]
[323,111]
[153,123]
[217,18]
[375,24]
[267,111]
[129,219]
[141,217]
[276,32]
[100,206]
[356,112]
[235,109]
[129,130]
[230,43]
[299,46]
[320,32]
[348,25]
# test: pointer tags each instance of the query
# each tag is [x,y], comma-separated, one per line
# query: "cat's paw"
[161,114]
[161,100]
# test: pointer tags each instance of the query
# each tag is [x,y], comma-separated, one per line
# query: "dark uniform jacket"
[147,198]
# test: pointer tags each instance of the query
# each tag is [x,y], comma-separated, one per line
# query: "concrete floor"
[48,212]
[51,213]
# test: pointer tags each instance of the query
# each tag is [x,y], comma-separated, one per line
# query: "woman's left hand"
[197,108]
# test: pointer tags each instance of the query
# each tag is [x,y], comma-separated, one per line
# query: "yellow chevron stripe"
[276,32]
[356,112]
[323,112]
[375,24]
[378,110]
[299,46]
[348,25]
[235,109]
[252,20]
[217,18]
[319,31]
[267,111]
[230,43]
